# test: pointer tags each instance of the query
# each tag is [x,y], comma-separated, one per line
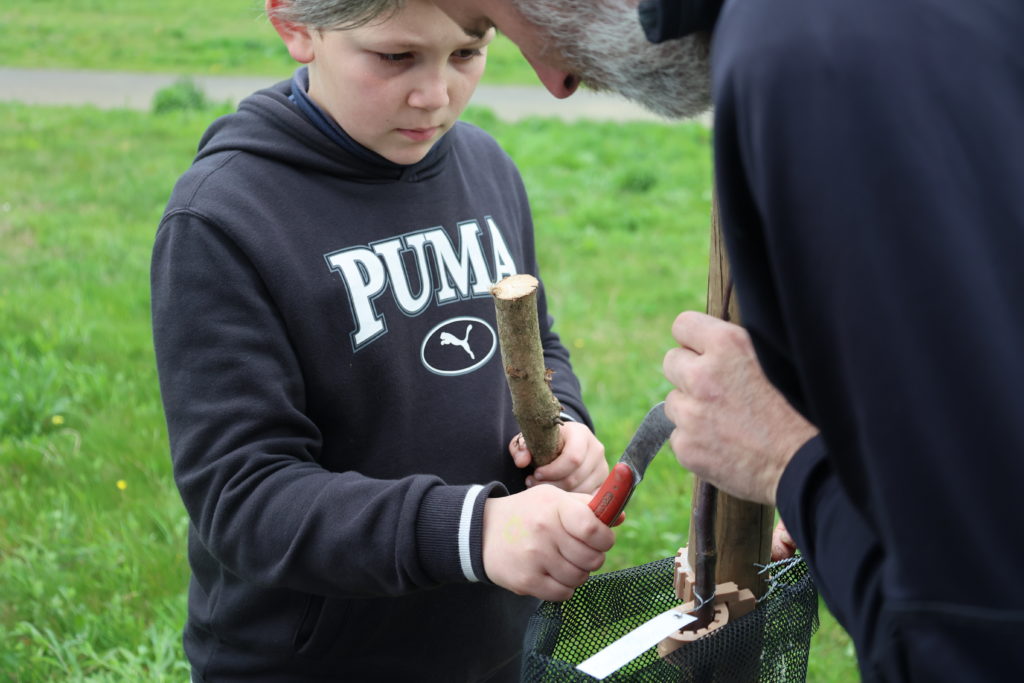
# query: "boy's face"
[395,86]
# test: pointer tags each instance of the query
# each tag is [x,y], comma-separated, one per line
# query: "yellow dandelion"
[578,343]
[57,420]
[121,484]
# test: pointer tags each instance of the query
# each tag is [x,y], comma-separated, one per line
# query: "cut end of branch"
[515,287]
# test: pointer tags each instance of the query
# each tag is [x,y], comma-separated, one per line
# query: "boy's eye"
[394,58]
[466,54]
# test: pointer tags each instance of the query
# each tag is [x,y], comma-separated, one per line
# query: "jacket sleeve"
[842,553]
[245,453]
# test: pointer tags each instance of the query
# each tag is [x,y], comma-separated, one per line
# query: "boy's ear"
[295,36]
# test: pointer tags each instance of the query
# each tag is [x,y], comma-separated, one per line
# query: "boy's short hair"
[334,14]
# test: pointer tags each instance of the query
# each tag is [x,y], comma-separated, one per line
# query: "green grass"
[93,574]
[227,37]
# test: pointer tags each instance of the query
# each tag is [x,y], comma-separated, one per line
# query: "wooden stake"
[535,407]
[743,530]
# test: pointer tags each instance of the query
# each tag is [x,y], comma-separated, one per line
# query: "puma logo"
[448,338]
[449,362]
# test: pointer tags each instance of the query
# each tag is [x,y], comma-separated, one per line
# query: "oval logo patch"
[458,346]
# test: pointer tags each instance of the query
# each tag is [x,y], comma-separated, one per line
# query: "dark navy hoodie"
[335,400]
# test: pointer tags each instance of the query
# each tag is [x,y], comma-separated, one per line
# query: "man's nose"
[559,83]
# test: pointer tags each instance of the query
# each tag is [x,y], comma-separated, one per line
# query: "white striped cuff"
[465,523]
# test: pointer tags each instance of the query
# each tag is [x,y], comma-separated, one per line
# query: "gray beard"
[604,44]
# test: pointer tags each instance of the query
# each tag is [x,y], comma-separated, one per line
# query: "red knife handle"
[609,500]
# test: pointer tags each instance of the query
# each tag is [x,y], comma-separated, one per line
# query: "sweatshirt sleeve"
[245,453]
[842,553]
[564,383]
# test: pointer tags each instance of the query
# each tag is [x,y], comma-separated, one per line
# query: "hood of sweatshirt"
[270,124]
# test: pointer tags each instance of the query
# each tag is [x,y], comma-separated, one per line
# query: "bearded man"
[869,158]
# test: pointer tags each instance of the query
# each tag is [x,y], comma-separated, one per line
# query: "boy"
[325,339]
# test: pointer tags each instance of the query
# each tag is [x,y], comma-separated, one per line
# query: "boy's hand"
[543,542]
[580,466]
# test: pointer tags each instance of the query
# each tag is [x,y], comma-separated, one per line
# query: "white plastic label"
[635,643]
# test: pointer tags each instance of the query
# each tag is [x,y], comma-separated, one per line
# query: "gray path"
[108,90]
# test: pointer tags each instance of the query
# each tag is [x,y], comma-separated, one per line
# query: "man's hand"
[783,545]
[543,542]
[733,428]
[579,467]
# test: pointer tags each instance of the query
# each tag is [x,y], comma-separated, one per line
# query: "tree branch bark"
[534,405]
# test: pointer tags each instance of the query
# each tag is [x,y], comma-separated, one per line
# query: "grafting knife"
[614,493]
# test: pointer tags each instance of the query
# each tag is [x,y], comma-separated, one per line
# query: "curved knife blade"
[651,435]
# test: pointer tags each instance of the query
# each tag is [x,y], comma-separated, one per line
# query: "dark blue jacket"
[870,167]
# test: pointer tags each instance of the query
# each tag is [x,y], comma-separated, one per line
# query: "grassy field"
[91,528]
[175,36]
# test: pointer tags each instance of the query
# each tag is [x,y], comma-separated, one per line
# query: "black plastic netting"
[769,644]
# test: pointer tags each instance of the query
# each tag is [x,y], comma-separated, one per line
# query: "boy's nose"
[430,93]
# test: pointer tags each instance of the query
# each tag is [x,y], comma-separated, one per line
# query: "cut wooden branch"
[535,407]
